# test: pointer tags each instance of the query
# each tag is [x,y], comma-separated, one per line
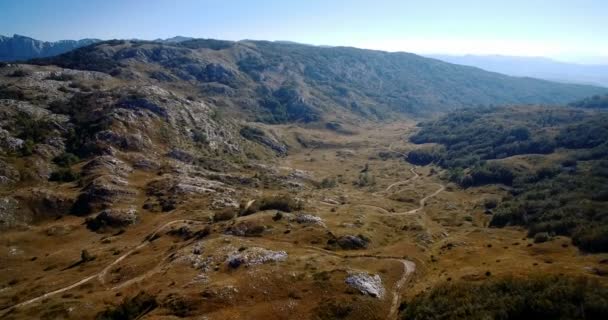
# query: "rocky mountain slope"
[286,82]
[21,48]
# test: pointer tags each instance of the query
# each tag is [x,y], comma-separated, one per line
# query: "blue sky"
[563,29]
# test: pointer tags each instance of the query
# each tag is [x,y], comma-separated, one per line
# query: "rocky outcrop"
[254,256]
[41,203]
[112,218]
[106,165]
[349,242]
[259,136]
[9,216]
[8,174]
[366,284]
[309,219]
[246,229]
[102,193]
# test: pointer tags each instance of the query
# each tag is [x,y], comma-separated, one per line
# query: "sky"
[568,30]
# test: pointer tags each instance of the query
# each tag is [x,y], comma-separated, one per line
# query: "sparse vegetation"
[559,197]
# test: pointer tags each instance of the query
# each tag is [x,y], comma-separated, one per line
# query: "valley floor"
[419,231]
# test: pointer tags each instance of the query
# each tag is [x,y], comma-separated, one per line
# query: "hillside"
[21,48]
[282,82]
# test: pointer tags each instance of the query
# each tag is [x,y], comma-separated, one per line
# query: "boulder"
[350,242]
[366,284]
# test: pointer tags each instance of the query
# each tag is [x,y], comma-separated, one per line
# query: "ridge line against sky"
[564,30]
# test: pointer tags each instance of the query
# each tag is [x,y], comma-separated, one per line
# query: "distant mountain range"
[20,48]
[535,67]
[17,47]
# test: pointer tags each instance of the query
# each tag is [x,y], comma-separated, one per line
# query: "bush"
[592,238]
[130,309]
[541,237]
[60,76]
[490,203]
[366,179]
[536,297]
[224,215]
[66,159]
[283,203]
[327,183]
[64,175]
[20,73]
[424,156]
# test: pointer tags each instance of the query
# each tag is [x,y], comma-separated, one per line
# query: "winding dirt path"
[416,176]
[409,267]
[102,274]
[421,204]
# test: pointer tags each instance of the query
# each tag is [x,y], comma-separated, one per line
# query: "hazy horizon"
[566,31]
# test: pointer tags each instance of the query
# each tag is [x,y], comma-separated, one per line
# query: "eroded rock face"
[41,203]
[113,218]
[8,143]
[101,193]
[103,165]
[8,174]
[366,284]
[9,216]
[259,136]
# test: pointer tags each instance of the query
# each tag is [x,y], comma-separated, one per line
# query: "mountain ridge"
[286,82]
[19,48]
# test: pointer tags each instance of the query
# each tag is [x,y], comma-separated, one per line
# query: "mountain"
[285,82]
[19,48]
[261,180]
[536,67]
[175,39]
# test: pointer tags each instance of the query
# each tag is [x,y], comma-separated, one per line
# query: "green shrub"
[283,203]
[60,76]
[536,297]
[366,179]
[64,175]
[225,214]
[66,159]
[541,237]
[592,238]
[20,73]
[130,309]
[490,203]
[327,183]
